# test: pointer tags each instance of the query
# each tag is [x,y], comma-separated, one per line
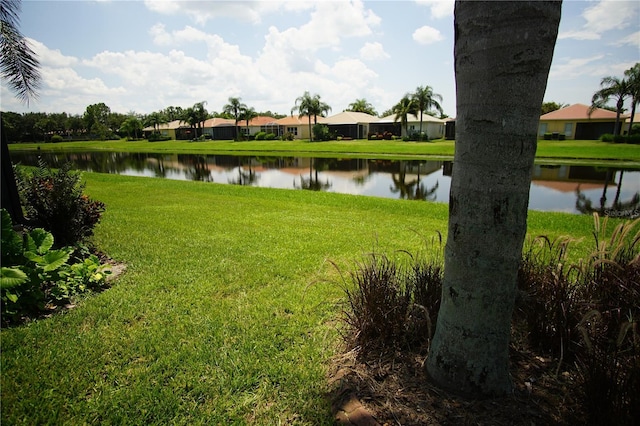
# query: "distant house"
[220,128]
[298,126]
[262,123]
[575,122]
[176,129]
[627,123]
[350,124]
[432,126]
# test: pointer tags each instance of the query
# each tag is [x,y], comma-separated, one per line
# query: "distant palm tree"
[156,119]
[403,109]
[611,87]
[201,115]
[190,116]
[18,63]
[425,100]
[247,115]
[361,105]
[633,79]
[310,106]
[173,113]
[234,108]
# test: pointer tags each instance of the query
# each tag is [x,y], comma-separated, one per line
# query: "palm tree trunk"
[633,113]
[616,200]
[619,106]
[503,52]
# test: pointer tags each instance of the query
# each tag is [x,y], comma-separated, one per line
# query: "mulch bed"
[394,389]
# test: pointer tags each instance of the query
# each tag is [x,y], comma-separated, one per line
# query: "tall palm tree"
[18,63]
[611,87]
[502,53]
[173,113]
[425,99]
[201,115]
[247,115]
[234,108]
[633,79]
[156,119]
[402,110]
[361,105]
[21,68]
[190,116]
[310,106]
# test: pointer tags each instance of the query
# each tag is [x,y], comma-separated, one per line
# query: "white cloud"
[572,67]
[252,11]
[439,8]
[632,39]
[596,66]
[330,22]
[604,16]
[579,35]
[49,57]
[373,51]
[427,35]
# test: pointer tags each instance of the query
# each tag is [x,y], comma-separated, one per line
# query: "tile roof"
[260,120]
[426,118]
[350,117]
[217,121]
[579,112]
[294,120]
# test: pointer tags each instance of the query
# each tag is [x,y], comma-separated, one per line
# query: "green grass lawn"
[547,150]
[228,312]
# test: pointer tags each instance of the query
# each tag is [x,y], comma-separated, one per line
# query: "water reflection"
[412,188]
[568,188]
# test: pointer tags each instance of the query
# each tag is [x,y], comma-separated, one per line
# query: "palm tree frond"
[19,65]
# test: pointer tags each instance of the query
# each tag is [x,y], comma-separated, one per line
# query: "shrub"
[260,136]
[607,137]
[588,313]
[321,132]
[548,297]
[158,137]
[54,200]
[34,275]
[269,136]
[288,136]
[392,305]
[56,138]
[419,137]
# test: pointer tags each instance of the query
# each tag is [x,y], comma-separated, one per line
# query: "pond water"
[561,188]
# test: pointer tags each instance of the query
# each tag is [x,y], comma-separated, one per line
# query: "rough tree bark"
[503,52]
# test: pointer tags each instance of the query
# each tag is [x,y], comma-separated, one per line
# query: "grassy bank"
[547,150]
[223,315]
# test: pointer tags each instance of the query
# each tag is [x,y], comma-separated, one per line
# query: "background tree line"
[98,122]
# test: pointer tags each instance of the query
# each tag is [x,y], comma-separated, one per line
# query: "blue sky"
[143,56]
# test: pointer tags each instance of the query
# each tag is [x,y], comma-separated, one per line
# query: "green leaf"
[12,297]
[7,225]
[55,259]
[11,240]
[11,277]
[34,257]
[39,241]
